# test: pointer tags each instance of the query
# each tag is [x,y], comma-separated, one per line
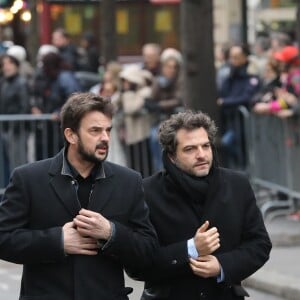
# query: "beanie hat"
[17,52]
[171,53]
[45,49]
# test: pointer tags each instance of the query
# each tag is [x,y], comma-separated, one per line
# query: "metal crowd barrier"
[274,167]
[26,138]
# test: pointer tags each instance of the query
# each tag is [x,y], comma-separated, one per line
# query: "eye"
[94,131]
[188,149]
[206,146]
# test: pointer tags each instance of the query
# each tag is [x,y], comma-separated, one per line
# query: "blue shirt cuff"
[192,250]
[221,277]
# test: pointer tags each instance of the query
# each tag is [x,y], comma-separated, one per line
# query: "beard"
[90,156]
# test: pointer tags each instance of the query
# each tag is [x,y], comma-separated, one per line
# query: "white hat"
[44,50]
[17,52]
[171,53]
[133,74]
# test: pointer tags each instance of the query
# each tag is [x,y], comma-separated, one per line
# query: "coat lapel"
[66,193]
[62,186]
[102,190]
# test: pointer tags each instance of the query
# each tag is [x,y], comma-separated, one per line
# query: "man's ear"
[70,136]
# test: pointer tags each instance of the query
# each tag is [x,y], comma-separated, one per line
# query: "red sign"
[164,1]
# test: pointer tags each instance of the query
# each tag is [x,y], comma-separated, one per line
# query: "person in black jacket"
[237,90]
[14,99]
[75,221]
[210,230]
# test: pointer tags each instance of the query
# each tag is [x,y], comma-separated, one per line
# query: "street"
[10,276]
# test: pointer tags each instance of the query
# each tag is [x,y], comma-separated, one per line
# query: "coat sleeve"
[254,247]
[243,98]
[19,243]
[170,262]
[135,242]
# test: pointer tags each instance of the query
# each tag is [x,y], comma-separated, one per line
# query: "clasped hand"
[81,235]
[206,241]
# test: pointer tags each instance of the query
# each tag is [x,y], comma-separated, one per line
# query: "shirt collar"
[68,170]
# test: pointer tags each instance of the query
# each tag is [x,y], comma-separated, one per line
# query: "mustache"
[102,145]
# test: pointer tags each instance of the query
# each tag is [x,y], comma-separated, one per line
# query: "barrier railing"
[274,165]
[27,138]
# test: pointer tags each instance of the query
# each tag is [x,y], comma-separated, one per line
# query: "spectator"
[42,51]
[288,95]
[53,85]
[165,99]
[89,56]
[262,101]
[261,53]
[14,99]
[26,70]
[238,89]
[151,57]
[137,122]
[68,51]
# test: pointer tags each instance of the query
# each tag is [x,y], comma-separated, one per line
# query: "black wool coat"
[39,200]
[230,206]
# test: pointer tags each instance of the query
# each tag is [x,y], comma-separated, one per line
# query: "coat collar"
[63,186]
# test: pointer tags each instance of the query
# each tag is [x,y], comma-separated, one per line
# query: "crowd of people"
[264,79]
[144,94]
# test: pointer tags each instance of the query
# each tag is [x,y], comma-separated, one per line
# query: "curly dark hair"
[188,120]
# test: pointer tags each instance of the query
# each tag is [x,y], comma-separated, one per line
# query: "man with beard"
[210,230]
[75,221]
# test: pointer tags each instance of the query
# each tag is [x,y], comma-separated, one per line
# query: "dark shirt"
[84,186]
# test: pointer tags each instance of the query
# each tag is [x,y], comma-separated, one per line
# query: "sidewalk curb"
[285,240]
[275,283]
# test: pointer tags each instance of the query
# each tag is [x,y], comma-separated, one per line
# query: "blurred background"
[237,60]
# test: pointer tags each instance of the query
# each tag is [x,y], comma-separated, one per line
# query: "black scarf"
[195,188]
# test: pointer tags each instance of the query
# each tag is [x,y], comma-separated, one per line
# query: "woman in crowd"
[14,99]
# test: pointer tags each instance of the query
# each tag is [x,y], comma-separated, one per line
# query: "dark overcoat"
[40,200]
[230,206]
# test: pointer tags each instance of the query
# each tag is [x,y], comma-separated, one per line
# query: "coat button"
[174,262]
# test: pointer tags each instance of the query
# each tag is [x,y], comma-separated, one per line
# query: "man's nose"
[105,136]
[200,153]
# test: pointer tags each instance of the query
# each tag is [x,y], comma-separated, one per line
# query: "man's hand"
[205,266]
[74,243]
[92,224]
[206,240]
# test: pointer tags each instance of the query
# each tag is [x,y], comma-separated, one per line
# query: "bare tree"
[108,31]
[198,53]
